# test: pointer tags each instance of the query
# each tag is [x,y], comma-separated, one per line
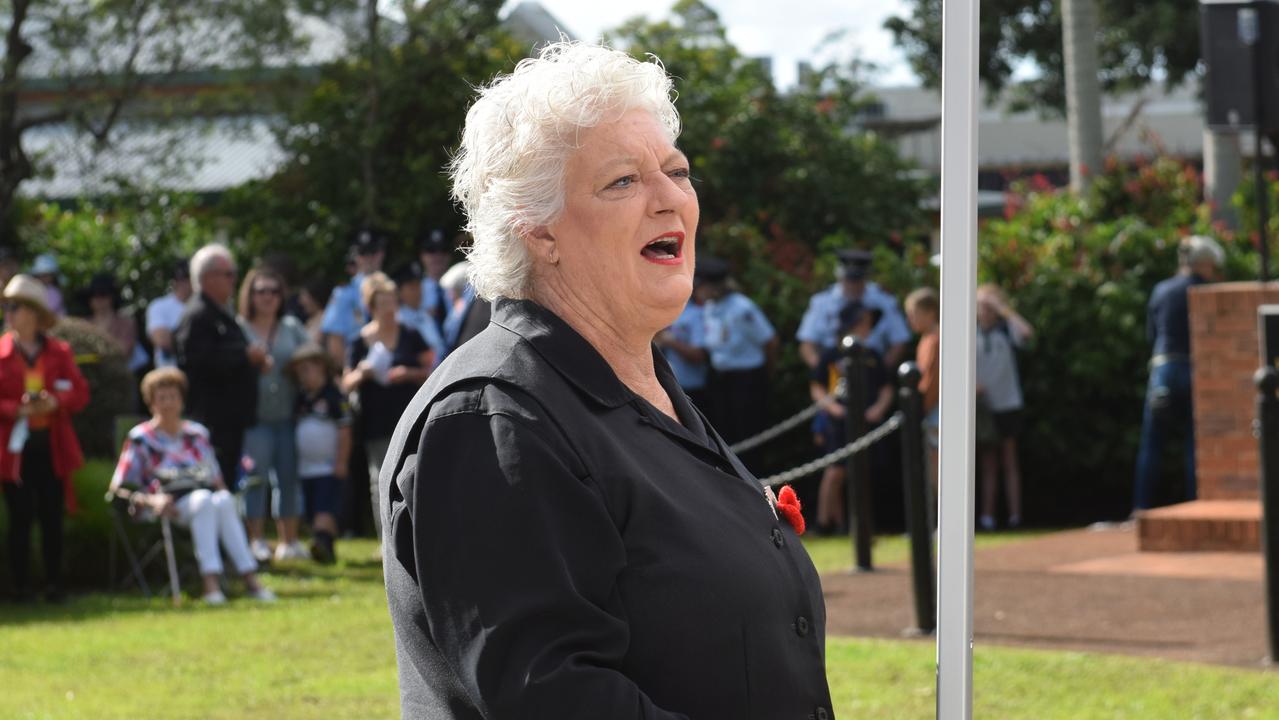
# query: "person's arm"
[770,353]
[416,348]
[411,374]
[881,406]
[352,378]
[341,465]
[758,329]
[208,457]
[810,353]
[1021,328]
[531,625]
[129,469]
[896,333]
[926,358]
[336,347]
[688,351]
[357,370]
[894,356]
[70,391]
[161,335]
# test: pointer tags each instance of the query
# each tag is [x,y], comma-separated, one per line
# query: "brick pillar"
[1225,354]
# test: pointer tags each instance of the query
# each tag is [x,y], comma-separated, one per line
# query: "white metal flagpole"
[958,360]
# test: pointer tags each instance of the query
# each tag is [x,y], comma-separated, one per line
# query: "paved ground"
[1084,590]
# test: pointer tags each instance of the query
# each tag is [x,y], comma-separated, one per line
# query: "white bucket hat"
[33,293]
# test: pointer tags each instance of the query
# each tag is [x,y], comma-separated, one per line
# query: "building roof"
[202,154]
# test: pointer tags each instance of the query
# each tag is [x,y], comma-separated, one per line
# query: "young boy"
[923,311]
[1000,331]
[324,444]
[857,320]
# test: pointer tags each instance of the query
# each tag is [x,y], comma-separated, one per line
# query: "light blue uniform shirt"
[425,326]
[821,320]
[431,297]
[689,329]
[736,332]
[345,313]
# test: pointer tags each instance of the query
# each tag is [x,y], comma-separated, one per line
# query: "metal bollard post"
[857,467]
[917,507]
[1267,381]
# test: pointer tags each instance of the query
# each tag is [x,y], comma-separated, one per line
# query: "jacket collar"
[8,344]
[564,349]
[216,306]
[578,361]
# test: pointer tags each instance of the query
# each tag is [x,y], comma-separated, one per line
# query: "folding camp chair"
[140,558]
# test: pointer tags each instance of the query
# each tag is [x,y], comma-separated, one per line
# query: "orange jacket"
[63,380]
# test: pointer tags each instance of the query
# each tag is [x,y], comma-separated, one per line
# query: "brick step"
[1201,526]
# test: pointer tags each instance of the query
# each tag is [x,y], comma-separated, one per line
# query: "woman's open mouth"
[665,249]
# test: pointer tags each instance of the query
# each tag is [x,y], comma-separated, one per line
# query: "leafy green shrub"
[136,238]
[86,548]
[1081,269]
[112,388]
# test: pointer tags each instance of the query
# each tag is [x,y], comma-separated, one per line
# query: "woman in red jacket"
[40,387]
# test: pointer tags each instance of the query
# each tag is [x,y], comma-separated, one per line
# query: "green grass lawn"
[325,651]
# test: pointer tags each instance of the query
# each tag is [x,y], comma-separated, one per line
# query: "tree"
[96,64]
[793,164]
[354,157]
[1139,41]
[1083,94]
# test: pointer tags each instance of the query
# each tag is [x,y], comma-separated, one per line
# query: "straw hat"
[33,293]
[311,351]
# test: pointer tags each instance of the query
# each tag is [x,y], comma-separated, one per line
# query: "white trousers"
[212,516]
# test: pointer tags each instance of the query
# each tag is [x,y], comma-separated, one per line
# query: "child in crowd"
[324,444]
[923,311]
[857,320]
[1000,330]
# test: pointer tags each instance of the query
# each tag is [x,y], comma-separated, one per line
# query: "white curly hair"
[508,173]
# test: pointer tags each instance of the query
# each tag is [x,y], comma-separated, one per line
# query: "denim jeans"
[273,449]
[1168,409]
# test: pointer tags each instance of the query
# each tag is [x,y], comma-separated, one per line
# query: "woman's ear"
[541,243]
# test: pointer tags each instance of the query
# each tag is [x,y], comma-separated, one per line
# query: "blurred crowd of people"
[261,400]
[285,398]
[723,346]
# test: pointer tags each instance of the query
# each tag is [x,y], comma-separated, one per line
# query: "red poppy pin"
[788,505]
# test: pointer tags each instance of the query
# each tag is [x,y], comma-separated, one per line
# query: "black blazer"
[222,386]
[558,548]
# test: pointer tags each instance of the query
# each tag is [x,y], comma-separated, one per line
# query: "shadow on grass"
[300,581]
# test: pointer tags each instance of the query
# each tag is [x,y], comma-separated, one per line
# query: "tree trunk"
[371,117]
[15,166]
[1223,169]
[1083,89]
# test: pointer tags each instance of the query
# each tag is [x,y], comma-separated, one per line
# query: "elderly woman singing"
[566,537]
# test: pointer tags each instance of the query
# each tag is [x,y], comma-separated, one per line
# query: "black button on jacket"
[560,549]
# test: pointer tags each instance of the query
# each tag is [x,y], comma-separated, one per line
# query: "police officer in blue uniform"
[819,329]
[435,255]
[740,342]
[684,345]
[410,283]
[345,313]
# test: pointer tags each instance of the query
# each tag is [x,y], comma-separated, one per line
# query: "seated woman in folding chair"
[169,469]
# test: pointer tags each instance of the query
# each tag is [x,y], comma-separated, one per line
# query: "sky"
[788,31]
